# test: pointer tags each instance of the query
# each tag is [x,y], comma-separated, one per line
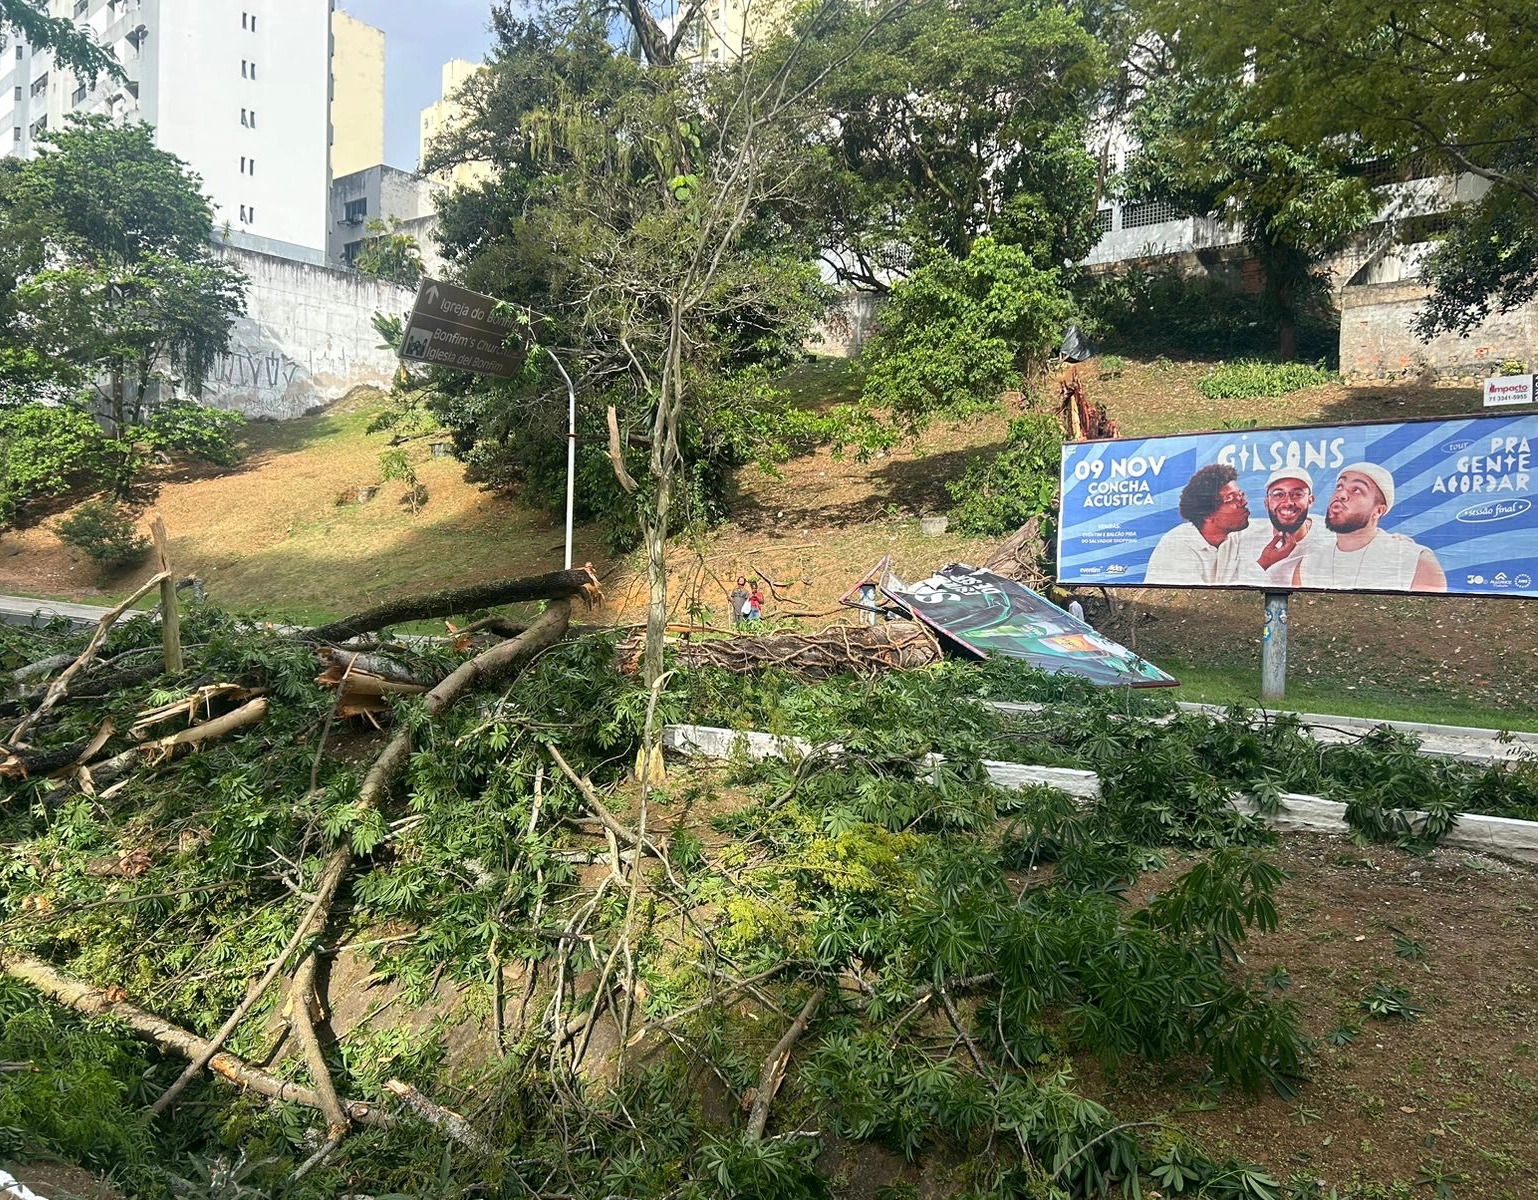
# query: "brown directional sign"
[459,329]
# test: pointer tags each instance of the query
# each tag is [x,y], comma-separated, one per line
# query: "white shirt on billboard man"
[1201,550]
[1269,554]
[1362,554]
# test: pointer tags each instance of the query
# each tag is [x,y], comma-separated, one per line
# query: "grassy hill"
[271,535]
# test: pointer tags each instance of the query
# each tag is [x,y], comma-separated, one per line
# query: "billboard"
[1443,505]
[983,614]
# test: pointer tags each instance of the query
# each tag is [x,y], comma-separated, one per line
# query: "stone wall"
[306,339]
[1378,341]
[842,333]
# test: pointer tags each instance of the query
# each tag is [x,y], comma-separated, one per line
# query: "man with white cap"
[1269,554]
[1362,555]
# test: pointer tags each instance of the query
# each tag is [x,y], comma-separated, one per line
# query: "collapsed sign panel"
[984,615]
[1442,505]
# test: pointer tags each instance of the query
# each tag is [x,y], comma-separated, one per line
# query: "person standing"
[755,604]
[738,601]
[1075,609]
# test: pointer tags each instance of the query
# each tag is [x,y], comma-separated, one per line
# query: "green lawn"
[1241,685]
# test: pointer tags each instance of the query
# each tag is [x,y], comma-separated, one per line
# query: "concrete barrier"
[1499,837]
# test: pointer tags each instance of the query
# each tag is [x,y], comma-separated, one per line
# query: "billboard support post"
[1273,653]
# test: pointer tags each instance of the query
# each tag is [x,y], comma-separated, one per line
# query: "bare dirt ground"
[1449,1096]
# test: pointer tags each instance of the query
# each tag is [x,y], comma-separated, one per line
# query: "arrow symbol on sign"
[432,294]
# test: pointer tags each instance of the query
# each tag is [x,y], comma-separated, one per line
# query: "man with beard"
[1362,555]
[1269,554]
[1200,550]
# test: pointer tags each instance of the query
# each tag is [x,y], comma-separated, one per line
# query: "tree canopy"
[110,288]
[1200,149]
[1441,79]
[945,123]
[70,45]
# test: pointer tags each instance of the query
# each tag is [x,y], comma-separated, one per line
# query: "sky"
[419,38]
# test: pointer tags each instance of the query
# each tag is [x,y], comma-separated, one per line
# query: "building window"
[355,211]
[1103,221]
[38,126]
[18,93]
[81,6]
[16,135]
[19,51]
[79,97]
[1156,212]
[40,85]
[351,251]
[247,69]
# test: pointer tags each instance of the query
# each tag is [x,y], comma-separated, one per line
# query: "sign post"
[1273,652]
[461,330]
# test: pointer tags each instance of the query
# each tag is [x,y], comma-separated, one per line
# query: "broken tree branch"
[557,585]
[84,998]
[445,1120]
[774,1067]
[503,659]
[59,686]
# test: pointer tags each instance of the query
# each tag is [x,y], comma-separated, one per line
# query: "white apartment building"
[238,89]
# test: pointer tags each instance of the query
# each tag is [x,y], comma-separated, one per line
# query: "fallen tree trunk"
[84,998]
[303,995]
[890,646]
[557,585]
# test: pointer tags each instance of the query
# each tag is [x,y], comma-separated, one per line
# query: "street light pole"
[571,448]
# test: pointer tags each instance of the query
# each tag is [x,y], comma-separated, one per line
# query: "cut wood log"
[556,585]
[92,1001]
[864,649]
[446,1121]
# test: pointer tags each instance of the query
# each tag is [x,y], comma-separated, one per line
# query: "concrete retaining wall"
[307,337]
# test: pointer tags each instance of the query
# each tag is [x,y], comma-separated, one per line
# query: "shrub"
[1249,378]
[44,451]
[104,531]
[957,332]
[1165,312]
[182,427]
[1112,366]
[996,497]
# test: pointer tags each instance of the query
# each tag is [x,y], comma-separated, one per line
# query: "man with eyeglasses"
[1202,550]
[1269,554]
[1362,555]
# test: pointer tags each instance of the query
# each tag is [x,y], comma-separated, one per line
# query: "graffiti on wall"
[264,371]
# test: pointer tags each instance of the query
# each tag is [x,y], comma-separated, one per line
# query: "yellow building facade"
[442,115]
[357,95]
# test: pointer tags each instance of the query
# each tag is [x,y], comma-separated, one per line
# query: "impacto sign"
[1420,506]
[1504,390]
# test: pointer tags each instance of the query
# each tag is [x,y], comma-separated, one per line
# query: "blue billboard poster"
[1420,506]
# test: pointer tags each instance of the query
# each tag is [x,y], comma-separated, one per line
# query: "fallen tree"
[890,646]
[557,585]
